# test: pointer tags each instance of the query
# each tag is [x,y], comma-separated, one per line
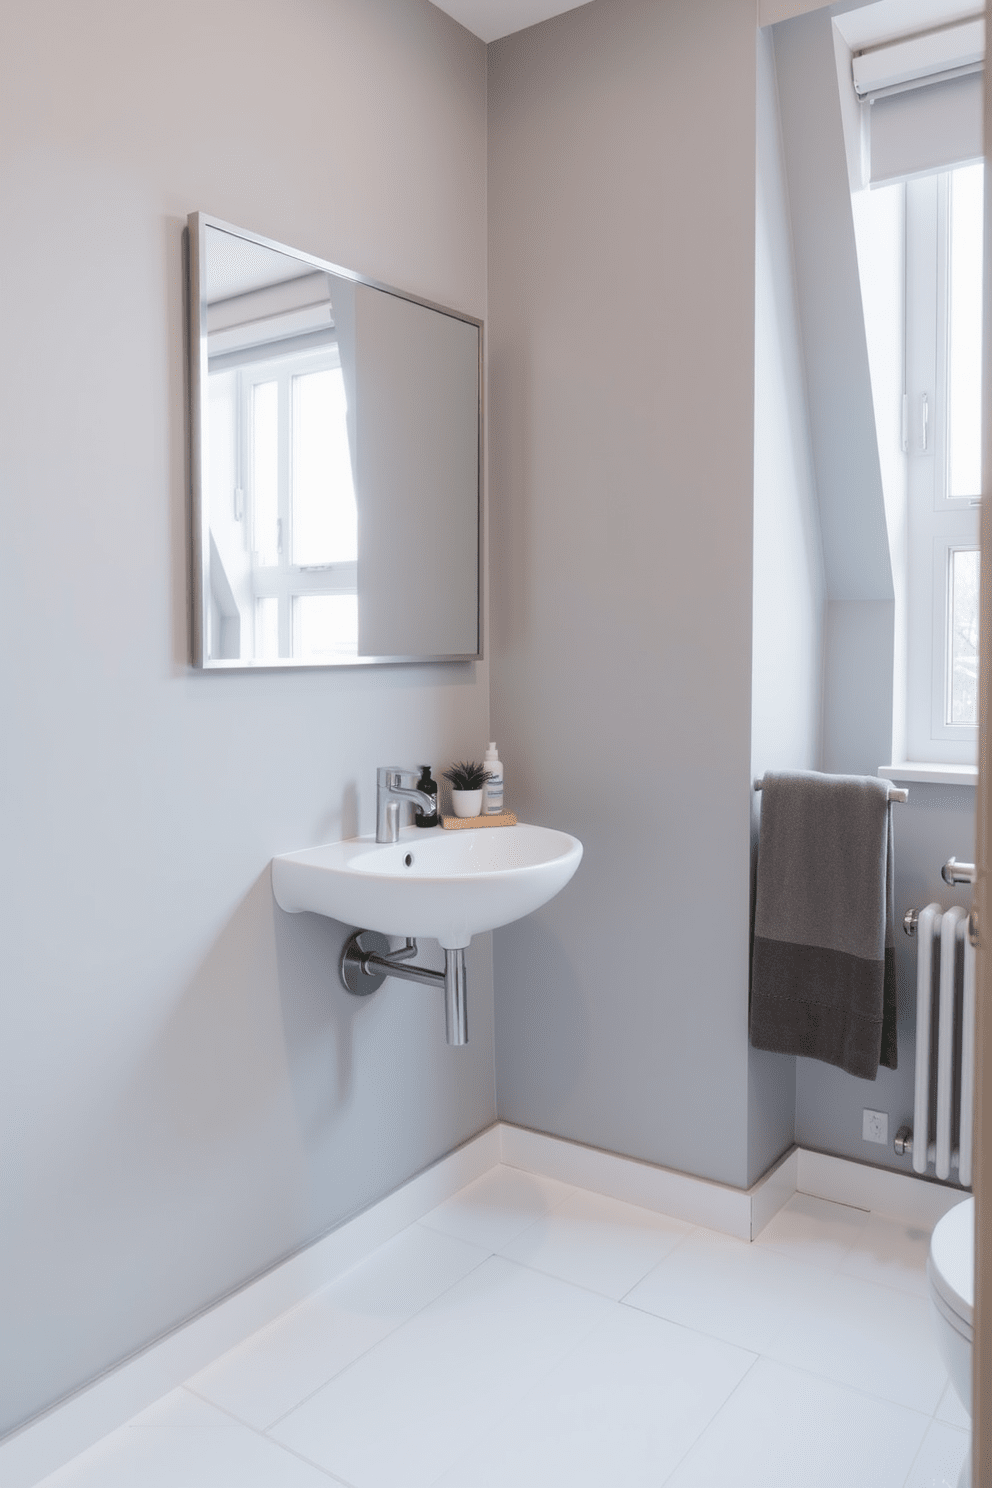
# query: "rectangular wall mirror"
[336,463]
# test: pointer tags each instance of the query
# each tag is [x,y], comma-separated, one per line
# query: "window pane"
[267,629]
[325,626]
[963,611]
[265,472]
[325,527]
[964,349]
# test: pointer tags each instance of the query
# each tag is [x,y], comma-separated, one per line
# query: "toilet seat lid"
[952,1260]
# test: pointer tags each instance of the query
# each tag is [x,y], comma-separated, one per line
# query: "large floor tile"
[597,1242]
[622,1408]
[783,1428]
[278,1367]
[870,1337]
[741,1293]
[891,1252]
[407,1410]
[940,1458]
[497,1206]
[815,1231]
[187,1457]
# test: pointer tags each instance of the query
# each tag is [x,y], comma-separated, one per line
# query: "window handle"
[279,530]
[926,421]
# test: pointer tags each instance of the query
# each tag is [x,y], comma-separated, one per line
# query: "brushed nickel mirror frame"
[196,244]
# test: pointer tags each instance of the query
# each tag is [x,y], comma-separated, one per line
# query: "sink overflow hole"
[408,860]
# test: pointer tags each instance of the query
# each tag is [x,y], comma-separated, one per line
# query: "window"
[942,439]
[300,509]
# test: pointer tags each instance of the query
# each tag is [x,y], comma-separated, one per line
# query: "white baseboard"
[899,1195]
[773,1190]
[733,1211]
[74,1424]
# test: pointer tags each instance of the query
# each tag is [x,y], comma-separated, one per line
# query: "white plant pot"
[466,803]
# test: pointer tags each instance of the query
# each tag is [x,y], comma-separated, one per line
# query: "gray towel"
[823,980]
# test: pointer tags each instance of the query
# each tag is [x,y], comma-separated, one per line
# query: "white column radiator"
[943,1106]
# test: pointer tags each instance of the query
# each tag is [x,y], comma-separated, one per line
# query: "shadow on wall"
[530,961]
[338,826]
[318,1017]
[119,1236]
[251,1070]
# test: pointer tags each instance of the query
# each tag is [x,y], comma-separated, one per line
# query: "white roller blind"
[926,128]
[925,100]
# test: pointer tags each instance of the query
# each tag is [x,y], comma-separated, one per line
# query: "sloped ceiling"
[491,19]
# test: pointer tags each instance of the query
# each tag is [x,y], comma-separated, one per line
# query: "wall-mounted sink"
[443,884]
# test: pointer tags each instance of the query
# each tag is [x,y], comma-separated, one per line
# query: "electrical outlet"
[875,1127]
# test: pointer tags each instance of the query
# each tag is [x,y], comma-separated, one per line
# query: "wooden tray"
[460,823]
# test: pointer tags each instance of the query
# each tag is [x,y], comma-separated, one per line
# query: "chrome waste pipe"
[366,962]
[455,997]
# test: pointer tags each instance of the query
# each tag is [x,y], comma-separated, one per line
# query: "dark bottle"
[429,787]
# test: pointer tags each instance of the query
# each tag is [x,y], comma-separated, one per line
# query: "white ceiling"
[491,19]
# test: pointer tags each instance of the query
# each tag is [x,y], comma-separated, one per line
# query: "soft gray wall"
[185,1093]
[621,292]
[788,581]
[789,588]
[855,537]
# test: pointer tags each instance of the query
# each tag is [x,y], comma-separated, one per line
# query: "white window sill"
[931,774]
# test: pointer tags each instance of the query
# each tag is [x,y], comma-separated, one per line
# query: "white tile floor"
[530,1335]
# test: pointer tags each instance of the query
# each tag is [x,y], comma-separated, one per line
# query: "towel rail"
[896,793]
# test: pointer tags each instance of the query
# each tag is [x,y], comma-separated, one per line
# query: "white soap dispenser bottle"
[492,800]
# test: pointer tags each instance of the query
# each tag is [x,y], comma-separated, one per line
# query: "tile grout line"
[372,1346]
[416,1224]
[514,1401]
[260,1434]
[919,1451]
[715,1416]
[843,1385]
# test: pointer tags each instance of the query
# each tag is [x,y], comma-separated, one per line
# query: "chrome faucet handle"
[390,775]
[389,792]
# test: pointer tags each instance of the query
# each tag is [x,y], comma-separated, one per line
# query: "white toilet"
[951,1275]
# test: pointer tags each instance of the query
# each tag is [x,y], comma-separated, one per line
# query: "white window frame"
[285,581]
[938,523]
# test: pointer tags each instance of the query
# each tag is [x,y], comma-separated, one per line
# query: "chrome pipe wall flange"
[356,979]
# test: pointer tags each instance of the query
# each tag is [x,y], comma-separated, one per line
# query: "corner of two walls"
[788,582]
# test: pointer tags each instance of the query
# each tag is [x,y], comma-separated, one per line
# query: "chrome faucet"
[389,792]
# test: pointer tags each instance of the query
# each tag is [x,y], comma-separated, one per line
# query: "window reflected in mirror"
[338,475]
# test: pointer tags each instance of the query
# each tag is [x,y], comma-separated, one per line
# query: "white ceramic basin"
[444,884]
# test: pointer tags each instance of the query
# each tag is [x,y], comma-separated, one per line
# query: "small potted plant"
[467,780]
